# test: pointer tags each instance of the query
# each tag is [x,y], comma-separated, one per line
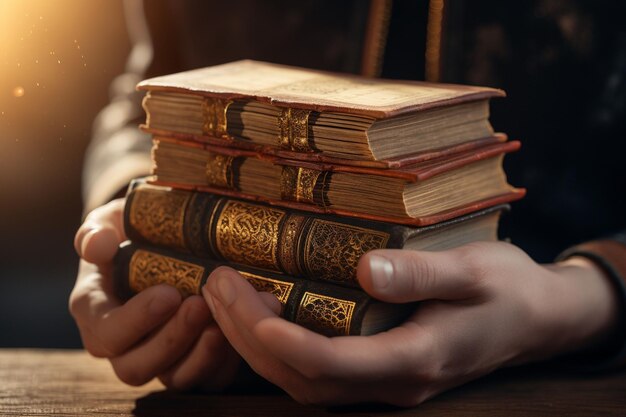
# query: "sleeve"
[118,150]
[610,255]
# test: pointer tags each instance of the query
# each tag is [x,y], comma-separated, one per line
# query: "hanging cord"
[376,37]
[433,40]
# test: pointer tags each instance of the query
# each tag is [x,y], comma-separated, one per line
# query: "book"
[422,194]
[325,308]
[297,243]
[303,114]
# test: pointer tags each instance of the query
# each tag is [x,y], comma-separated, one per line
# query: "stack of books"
[291,175]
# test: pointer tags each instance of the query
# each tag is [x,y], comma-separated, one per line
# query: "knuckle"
[213,342]
[78,299]
[96,350]
[131,376]
[473,261]
[423,277]
[418,273]
[112,348]
[424,360]
[115,346]
[169,343]
[74,304]
[428,374]
[177,384]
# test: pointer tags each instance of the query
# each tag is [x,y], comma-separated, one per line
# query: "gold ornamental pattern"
[326,315]
[289,243]
[280,289]
[332,250]
[293,127]
[219,170]
[214,117]
[158,216]
[148,268]
[248,233]
[298,184]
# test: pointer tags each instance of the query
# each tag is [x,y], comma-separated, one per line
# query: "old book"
[300,244]
[303,113]
[325,308]
[419,195]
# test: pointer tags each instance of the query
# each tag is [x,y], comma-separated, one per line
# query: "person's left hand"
[483,306]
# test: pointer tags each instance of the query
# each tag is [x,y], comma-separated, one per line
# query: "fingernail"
[208,297]
[382,272]
[86,238]
[225,291]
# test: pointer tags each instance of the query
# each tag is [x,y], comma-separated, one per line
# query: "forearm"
[608,256]
[119,151]
[111,163]
[578,310]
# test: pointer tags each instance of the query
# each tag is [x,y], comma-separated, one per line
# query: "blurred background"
[57,59]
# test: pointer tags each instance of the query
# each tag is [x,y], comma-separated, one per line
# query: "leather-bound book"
[297,243]
[325,308]
[418,195]
[312,115]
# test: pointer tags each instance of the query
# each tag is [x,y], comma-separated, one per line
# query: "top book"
[314,115]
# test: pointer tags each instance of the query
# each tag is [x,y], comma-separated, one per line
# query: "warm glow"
[18,91]
[57,59]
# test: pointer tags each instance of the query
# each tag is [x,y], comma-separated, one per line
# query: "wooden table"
[71,383]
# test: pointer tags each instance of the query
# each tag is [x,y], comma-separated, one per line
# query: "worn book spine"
[324,308]
[300,244]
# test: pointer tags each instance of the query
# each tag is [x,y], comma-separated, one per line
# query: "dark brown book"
[324,308]
[301,244]
[420,194]
[306,114]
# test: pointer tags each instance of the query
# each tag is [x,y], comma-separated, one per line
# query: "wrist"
[583,304]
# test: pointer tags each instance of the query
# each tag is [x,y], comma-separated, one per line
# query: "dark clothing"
[562,63]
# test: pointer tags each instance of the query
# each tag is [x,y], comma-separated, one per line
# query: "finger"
[402,276]
[98,237]
[309,353]
[310,367]
[166,346]
[373,358]
[261,361]
[110,325]
[211,362]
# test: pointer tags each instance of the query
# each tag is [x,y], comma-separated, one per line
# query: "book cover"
[301,244]
[324,308]
[299,112]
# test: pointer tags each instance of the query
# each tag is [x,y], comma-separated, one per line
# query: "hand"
[154,334]
[483,306]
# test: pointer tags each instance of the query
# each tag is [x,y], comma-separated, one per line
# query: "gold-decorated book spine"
[322,248]
[324,308]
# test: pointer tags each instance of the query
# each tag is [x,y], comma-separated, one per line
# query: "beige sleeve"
[119,151]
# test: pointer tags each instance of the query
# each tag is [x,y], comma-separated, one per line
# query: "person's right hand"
[155,333]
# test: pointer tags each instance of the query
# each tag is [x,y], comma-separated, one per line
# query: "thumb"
[97,239]
[401,276]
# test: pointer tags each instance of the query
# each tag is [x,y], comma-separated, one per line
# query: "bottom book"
[325,308]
